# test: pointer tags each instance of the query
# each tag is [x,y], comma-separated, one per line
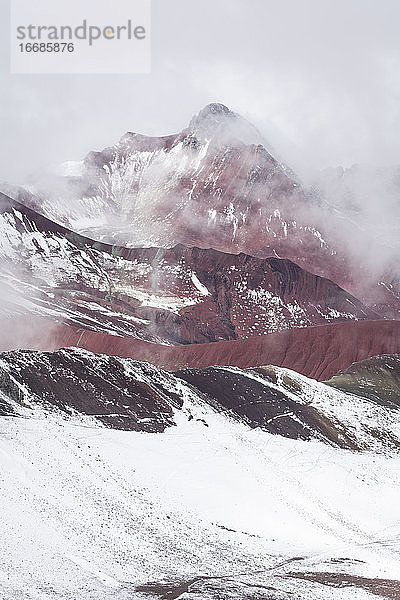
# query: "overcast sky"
[319,78]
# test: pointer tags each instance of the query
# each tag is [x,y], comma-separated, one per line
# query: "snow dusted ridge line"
[126,394]
[199,493]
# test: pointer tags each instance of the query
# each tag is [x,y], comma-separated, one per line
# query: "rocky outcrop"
[117,393]
[268,399]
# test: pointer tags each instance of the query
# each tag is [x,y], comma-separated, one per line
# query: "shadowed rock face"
[125,394]
[249,395]
[377,378]
[119,395]
[283,402]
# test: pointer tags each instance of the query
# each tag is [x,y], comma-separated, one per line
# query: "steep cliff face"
[173,296]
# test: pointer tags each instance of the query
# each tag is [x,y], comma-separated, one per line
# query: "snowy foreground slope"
[213,506]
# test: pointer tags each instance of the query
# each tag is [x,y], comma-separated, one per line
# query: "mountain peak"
[217,121]
[216,112]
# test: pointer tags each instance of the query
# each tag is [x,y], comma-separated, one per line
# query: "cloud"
[321,79]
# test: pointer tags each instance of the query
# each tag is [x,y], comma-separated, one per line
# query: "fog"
[320,79]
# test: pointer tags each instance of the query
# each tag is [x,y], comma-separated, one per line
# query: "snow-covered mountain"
[59,288]
[217,185]
[228,500]
[178,295]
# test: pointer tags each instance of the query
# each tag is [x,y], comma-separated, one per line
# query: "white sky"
[319,78]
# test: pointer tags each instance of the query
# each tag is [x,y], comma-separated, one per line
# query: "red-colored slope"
[317,352]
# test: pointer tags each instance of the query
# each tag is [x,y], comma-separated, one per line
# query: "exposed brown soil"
[386,588]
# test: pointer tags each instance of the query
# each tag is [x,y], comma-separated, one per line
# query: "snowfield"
[93,513]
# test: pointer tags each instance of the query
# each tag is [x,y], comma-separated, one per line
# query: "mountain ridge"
[164,295]
[221,193]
